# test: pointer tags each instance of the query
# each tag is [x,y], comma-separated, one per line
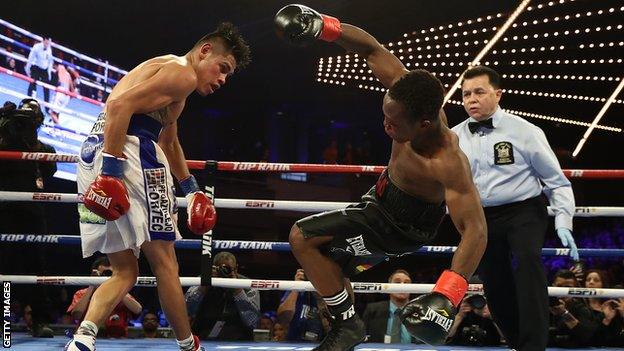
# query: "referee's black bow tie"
[474,126]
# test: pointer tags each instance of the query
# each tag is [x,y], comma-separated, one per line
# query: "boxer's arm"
[385,66]
[170,144]
[132,304]
[172,83]
[79,306]
[464,207]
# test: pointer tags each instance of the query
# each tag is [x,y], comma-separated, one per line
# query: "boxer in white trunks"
[125,175]
[61,100]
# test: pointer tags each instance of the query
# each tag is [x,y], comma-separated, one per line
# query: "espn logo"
[367,287]
[265,284]
[46,197]
[261,204]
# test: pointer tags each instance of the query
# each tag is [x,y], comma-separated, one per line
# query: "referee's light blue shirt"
[40,57]
[513,162]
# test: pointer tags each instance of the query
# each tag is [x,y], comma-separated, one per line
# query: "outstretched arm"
[464,207]
[385,66]
[301,25]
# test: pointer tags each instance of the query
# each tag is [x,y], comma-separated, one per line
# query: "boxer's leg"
[162,259]
[125,271]
[105,298]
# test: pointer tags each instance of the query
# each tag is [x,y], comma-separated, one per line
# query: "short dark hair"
[223,256]
[399,271]
[477,71]
[100,261]
[228,35]
[420,92]
[564,274]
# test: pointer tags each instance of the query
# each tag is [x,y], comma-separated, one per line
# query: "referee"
[512,164]
[39,66]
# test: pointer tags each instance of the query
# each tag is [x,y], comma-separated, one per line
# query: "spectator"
[330,154]
[11,64]
[27,317]
[223,314]
[150,326]
[267,321]
[39,66]
[16,312]
[8,49]
[301,312]
[473,325]
[61,100]
[572,323]
[279,332]
[347,159]
[381,318]
[100,96]
[116,325]
[605,312]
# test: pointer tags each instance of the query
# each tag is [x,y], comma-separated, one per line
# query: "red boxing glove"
[107,197]
[452,285]
[202,215]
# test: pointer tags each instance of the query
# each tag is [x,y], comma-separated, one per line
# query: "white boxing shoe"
[81,343]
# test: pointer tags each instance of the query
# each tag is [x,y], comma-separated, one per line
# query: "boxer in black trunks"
[403,211]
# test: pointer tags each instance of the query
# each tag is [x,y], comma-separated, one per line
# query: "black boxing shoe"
[343,335]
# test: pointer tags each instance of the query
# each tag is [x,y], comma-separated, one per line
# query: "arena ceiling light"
[594,124]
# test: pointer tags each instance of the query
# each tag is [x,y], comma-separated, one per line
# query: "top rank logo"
[260,166]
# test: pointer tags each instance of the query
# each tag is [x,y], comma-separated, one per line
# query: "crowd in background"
[237,314]
[90,85]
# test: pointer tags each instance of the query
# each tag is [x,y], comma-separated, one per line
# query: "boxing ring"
[25,342]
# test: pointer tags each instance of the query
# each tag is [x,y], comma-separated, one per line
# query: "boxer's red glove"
[107,196]
[429,317]
[202,215]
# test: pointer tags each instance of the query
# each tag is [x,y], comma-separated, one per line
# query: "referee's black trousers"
[40,74]
[513,273]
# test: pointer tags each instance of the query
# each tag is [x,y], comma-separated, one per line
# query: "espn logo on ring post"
[6,314]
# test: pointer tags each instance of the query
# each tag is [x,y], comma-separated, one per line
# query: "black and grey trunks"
[387,222]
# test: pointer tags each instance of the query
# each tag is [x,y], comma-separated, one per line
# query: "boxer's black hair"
[420,92]
[230,37]
[477,71]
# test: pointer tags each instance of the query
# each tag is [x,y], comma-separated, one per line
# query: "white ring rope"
[63,48]
[263,284]
[283,205]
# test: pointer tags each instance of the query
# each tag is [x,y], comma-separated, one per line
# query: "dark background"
[276,103]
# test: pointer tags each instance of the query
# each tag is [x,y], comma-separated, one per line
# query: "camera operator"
[116,325]
[223,314]
[302,313]
[18,132]
[572,323]
[473,324]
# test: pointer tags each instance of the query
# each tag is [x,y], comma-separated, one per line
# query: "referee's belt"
[537,200]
